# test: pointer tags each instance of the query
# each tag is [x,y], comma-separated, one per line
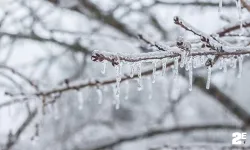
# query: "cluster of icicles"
[187,62]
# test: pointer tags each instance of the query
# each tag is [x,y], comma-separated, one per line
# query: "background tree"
[189,60]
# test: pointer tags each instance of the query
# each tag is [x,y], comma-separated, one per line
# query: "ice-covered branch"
[116,58]
[141,37]
[211,41]
[233,27]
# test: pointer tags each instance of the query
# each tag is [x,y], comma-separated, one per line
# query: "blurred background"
[46,45]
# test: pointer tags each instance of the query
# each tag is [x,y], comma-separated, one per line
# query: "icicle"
[183,58]
[132,70]
[224,65]
[220,5]
[221,63]
[233,62]
[209,73]
[120,69]
[238,5]
[117,105]
[154,71]
[150,89]
[240,61]
[139,77]
[80,100]
[187,66]
[195,63]
[202,60]
[118,80]
[176,75]
[190,64]
[164,66]
[104,67]
[176,67]
[100,95]
[127,90]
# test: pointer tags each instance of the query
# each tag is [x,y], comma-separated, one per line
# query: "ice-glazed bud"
[97,57]
[179,41]
[209,62]
[176,19]
[187,46]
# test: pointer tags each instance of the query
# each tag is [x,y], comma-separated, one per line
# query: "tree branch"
[244,4]
[115,59]
[14,138]
[202,146]
[161,131]
[76,47]
[105,18]
[194,3]
[225,100]
[233,27]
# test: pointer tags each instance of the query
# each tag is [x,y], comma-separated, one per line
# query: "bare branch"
[107,19]
[195,3]
[225,100]
[162,131]
[13,139]
[244,4]
[20,75]
[76,46]
[202,146]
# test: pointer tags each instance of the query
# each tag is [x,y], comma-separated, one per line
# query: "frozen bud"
[180,41]
[209,62]
[183,44]
[205,39]
[176,19]
[187,46]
